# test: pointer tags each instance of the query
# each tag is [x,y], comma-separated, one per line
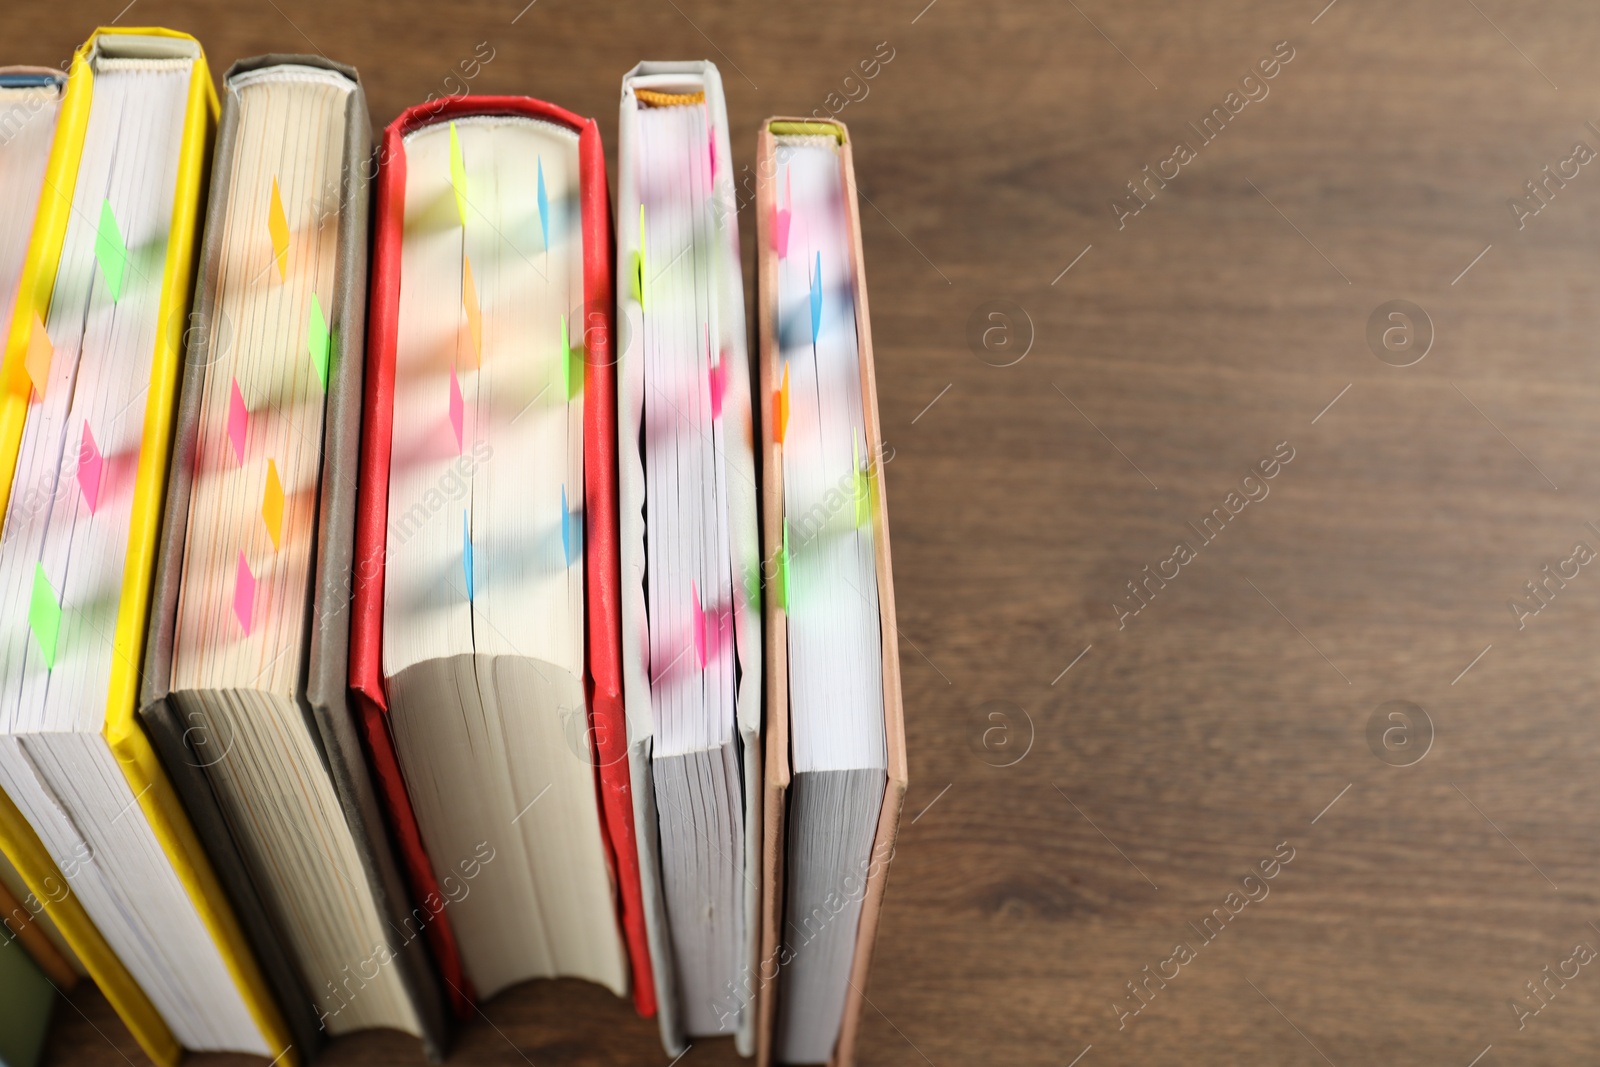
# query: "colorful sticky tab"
[319,341]
[458,175]
[566,528]
[862,490]
[238,421]
[577,361]
[816,301]
[272,505]
[466,552]
[469,302]
[544,208]
[716,377]
[711,152]
[110,250]
[699,627]
[40,352]
[781,217]
[457,407]
[244,595]
[90,466]
[565,343]
[780,409]
[637,279]
[278,224]
[44,616]
[783,570]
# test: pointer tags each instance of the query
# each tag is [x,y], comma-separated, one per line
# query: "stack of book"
[421,595]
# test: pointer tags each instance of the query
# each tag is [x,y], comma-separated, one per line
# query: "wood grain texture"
[1179,350]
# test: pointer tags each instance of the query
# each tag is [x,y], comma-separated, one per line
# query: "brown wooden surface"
[1217,323]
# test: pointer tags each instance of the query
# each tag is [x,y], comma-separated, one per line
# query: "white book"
[836,766]
[689,548]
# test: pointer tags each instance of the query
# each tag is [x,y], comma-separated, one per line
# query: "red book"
[603,677]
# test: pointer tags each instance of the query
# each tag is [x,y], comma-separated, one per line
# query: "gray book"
[274,776]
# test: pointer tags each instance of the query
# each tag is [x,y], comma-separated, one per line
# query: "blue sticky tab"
[566,528]
[544,207]
[466,552]
[816,301]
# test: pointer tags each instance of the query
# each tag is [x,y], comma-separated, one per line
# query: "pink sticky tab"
[90,466]
[244,595]
[699,628]
[457,407]
[238,420]
[717,377]
[711,152]
[781,218]
[780,232]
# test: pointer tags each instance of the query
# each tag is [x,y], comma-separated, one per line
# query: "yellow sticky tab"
[469,302]
[278,223]
[458,174]
[272,505]
[40,351]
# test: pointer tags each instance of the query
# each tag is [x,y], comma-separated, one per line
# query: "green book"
[26,998]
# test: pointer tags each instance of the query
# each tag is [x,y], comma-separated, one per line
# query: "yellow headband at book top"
[157,798]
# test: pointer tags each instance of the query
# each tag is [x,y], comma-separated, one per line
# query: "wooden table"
[1088,785]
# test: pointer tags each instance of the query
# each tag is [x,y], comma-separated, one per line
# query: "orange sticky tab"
[272,505]
[780,410]
[40,351]
[278,223]
[469,301]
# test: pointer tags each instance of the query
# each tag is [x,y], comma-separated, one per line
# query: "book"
[836,760]
[244,678]
[691,622]
[26,998]
[484,648]
[89,818]
[30,103]
[26,923]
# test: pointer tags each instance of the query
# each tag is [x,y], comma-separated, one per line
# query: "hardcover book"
[90,819]
[836,759]
[244,684]
[484,648]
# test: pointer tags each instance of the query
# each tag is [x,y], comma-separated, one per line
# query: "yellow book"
[87,392]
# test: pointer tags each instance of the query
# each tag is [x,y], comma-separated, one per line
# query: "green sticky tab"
[318,340]
[110,250]
[44,616]
[566,361]
[636,278]
[783,570]
[458,174]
